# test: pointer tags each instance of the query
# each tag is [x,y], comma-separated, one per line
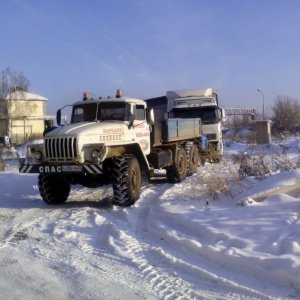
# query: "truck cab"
[200,103]
[99,129]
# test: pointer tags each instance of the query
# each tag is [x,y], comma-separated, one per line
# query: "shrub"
[286,114]
[251,166]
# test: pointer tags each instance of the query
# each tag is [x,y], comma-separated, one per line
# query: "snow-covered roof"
[24,95]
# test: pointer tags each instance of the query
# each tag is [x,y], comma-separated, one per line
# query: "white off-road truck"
[116,141]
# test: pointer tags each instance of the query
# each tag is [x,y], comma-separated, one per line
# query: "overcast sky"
[146,47]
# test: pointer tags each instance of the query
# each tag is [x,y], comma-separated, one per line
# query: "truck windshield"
[100,112]
[208,115]
[84,112]
[112,111]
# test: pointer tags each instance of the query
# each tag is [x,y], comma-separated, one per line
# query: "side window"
[140,112]
[77,115]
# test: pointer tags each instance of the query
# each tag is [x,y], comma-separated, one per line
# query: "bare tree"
[13,86]
[286,113]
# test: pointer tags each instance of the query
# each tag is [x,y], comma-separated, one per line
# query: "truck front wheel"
[126,180]
[53,188]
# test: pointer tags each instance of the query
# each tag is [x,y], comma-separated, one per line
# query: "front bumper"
[61,169]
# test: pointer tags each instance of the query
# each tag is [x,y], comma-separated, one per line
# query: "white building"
[27,115]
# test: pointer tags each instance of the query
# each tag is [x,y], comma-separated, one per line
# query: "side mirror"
[150,117]
[131,120]
[58,117]
[223,115]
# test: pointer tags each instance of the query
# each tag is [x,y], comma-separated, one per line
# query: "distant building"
[27,116]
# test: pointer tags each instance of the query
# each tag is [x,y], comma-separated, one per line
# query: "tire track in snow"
[77,238]
[23,227]
[131,239]
[164,253]
[88,230]
[24,250]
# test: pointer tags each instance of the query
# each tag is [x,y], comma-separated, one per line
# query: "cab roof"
[106,100]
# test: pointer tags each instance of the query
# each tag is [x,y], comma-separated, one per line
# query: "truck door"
[142,128]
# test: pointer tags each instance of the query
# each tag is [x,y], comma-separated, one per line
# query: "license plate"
[71,168]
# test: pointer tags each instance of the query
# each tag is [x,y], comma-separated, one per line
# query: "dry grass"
[238,173]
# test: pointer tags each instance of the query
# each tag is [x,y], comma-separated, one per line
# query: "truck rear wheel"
[178,172]
[126,180]
[192,158]
[53,188]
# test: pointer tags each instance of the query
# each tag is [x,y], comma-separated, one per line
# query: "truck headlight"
[96,155]
[21,161]
[38,155]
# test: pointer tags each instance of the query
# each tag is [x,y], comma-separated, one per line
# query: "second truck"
[197,103]
[118,141]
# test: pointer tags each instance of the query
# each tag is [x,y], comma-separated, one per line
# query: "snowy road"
[65,252]
[86,249]
[169,245]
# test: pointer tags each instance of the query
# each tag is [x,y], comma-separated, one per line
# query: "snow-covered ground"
[176,242]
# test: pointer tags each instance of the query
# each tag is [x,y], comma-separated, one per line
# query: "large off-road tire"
[126,180]
[53,188]
[178,172]
[192,158]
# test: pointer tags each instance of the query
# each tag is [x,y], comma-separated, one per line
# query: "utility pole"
[263,114]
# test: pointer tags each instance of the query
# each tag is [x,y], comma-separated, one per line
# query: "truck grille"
[61,149]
